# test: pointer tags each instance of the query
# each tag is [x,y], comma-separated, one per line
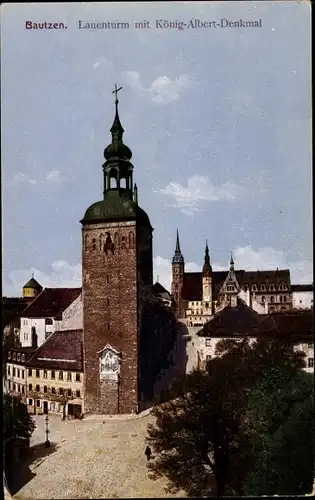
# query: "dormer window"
[14,356]
[245,288]
[272,287]
[230,288]
[283,286]
[18,357]
[263,288]
[254,288]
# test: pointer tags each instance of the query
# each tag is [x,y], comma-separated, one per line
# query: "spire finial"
[231,262]
[116,92]
[32,275]
[177,242]
[117,129]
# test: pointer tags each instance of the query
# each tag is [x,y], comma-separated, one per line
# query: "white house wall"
[302,300]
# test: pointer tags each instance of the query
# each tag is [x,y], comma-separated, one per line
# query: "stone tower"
[207,305]
[116,280]
[178,269]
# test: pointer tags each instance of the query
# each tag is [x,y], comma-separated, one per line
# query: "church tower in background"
[178,270]
[207,303]
[116,279]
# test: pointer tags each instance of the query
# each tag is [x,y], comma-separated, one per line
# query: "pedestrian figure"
[148,452]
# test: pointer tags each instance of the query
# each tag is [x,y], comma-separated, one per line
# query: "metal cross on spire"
[116,92]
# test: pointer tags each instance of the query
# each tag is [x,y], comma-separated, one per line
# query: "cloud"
[162,90]
[21,178]
[54,177]
[199,189]
[102,62]
[63,274]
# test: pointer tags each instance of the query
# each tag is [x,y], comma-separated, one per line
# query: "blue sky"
[218,120]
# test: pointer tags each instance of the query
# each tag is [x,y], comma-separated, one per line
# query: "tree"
[17,424]
[16,420]
[204,436]
[282,415]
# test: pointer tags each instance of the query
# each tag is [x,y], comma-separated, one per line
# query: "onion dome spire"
[117,149]
[207,266]
[178,257]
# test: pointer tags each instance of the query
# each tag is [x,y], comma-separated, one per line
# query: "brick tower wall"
[110,306]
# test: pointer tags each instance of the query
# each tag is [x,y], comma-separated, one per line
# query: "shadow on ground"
[21,474]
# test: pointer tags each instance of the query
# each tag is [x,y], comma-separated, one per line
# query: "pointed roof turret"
[231,284]
[178,257]
[207,268]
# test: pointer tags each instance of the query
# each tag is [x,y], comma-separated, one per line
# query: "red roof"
[51,302]
[62,350]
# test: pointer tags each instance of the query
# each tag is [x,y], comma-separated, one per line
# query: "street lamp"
[47,443]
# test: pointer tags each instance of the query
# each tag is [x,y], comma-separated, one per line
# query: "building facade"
[303,296]
[198,296]
[53,309]
[55,375]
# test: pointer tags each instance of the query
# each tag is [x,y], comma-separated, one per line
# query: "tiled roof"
[51,302]
[230,321]
[192,287]
[160,290]
[242,320]
[293,324]
[62,350]
[302,288]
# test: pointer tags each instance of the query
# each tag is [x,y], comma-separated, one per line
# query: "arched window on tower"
[86,242]
[123,243]
[131,240]
[123,183]
[94,244]
[108,245]
[113,178]
[101,240]
[116,240]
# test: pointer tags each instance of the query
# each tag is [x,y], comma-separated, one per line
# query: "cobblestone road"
[90,459]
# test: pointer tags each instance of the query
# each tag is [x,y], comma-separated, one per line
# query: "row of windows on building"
[16,387]
[16,356]
[53,406]
[59,391]
[264,288]
[48,321]
[310,361]
[61,375]
[107,243]
[16,372]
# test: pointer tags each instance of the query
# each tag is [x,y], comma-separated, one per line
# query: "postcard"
[157,249]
